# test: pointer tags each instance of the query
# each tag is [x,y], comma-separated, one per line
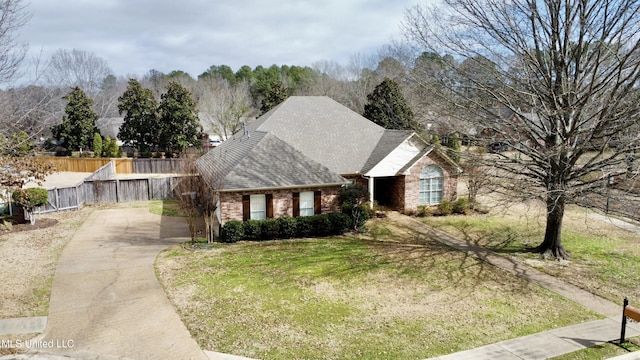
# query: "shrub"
[424,211]
[445,208]
[321,226]
[252,230]
[304,226]
[358,214]
[462,206]
[353,194]
[339,223]
[287,227]
[409,212]
[270,229]
[232,231]
[97,145]
[31,197]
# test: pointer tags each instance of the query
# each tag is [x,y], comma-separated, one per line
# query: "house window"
[306,203]
[431,181]
[257,207]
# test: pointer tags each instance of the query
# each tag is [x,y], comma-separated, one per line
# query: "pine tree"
[275,96]
[79,124]
[140,127]
[179,127]
[387,107]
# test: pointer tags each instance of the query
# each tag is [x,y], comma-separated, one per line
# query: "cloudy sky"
[134,36]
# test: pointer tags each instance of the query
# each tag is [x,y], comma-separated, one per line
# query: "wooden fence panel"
[124,166]
[63,199]
[106,172]
[133,190]
[92,192]
[158,166]
[103,191]
[76,164]
[69,198]
[163,188]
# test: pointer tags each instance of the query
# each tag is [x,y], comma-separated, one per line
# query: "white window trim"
[431,190]
[307,199]
[258,207]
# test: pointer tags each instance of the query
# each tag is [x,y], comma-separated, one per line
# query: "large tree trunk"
[552,244]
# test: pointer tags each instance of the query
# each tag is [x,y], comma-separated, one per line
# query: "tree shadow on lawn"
[464,270]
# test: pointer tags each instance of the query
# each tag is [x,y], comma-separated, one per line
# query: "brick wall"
[412,181]
[231,202]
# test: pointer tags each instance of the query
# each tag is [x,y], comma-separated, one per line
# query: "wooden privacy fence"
[101,187]
[122,165]
[91,192]
[67,198]
[159,166]
[76,164]
[123,190]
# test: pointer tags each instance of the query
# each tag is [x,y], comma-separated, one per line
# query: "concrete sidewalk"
[542,345]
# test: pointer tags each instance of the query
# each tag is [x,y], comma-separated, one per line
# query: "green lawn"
[388,295]
[165,207]
[604,351]
[604,259]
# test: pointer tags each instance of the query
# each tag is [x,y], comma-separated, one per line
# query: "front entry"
[389,192]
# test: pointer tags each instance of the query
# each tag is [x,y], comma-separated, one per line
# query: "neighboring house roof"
[324,130]
[261,161]
[109,126]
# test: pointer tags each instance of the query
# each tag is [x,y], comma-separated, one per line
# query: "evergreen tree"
[79,124]
[275,96]
[179,127]
[97,145]
[110,148]
[387,107]
[140,108]
[453,147]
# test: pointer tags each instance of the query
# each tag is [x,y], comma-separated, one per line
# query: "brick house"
[293,161]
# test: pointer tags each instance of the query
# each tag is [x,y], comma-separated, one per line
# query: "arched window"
[431,180]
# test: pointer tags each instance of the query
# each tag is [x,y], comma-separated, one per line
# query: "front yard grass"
[604,351]
[605,260]
[390,294]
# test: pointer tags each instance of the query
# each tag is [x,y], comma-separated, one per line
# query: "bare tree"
[13,16]
[568,71]
[199,201]
[223,107]
[33,109]
[70,68]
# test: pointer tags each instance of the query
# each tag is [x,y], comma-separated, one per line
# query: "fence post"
[624,320]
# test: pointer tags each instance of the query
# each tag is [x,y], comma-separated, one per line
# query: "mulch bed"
[41,223]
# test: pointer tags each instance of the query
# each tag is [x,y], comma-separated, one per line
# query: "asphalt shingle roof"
[306,140]
[323,130]
[259,161]
[388,142]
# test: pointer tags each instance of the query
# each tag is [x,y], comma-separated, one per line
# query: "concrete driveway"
[106,301]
